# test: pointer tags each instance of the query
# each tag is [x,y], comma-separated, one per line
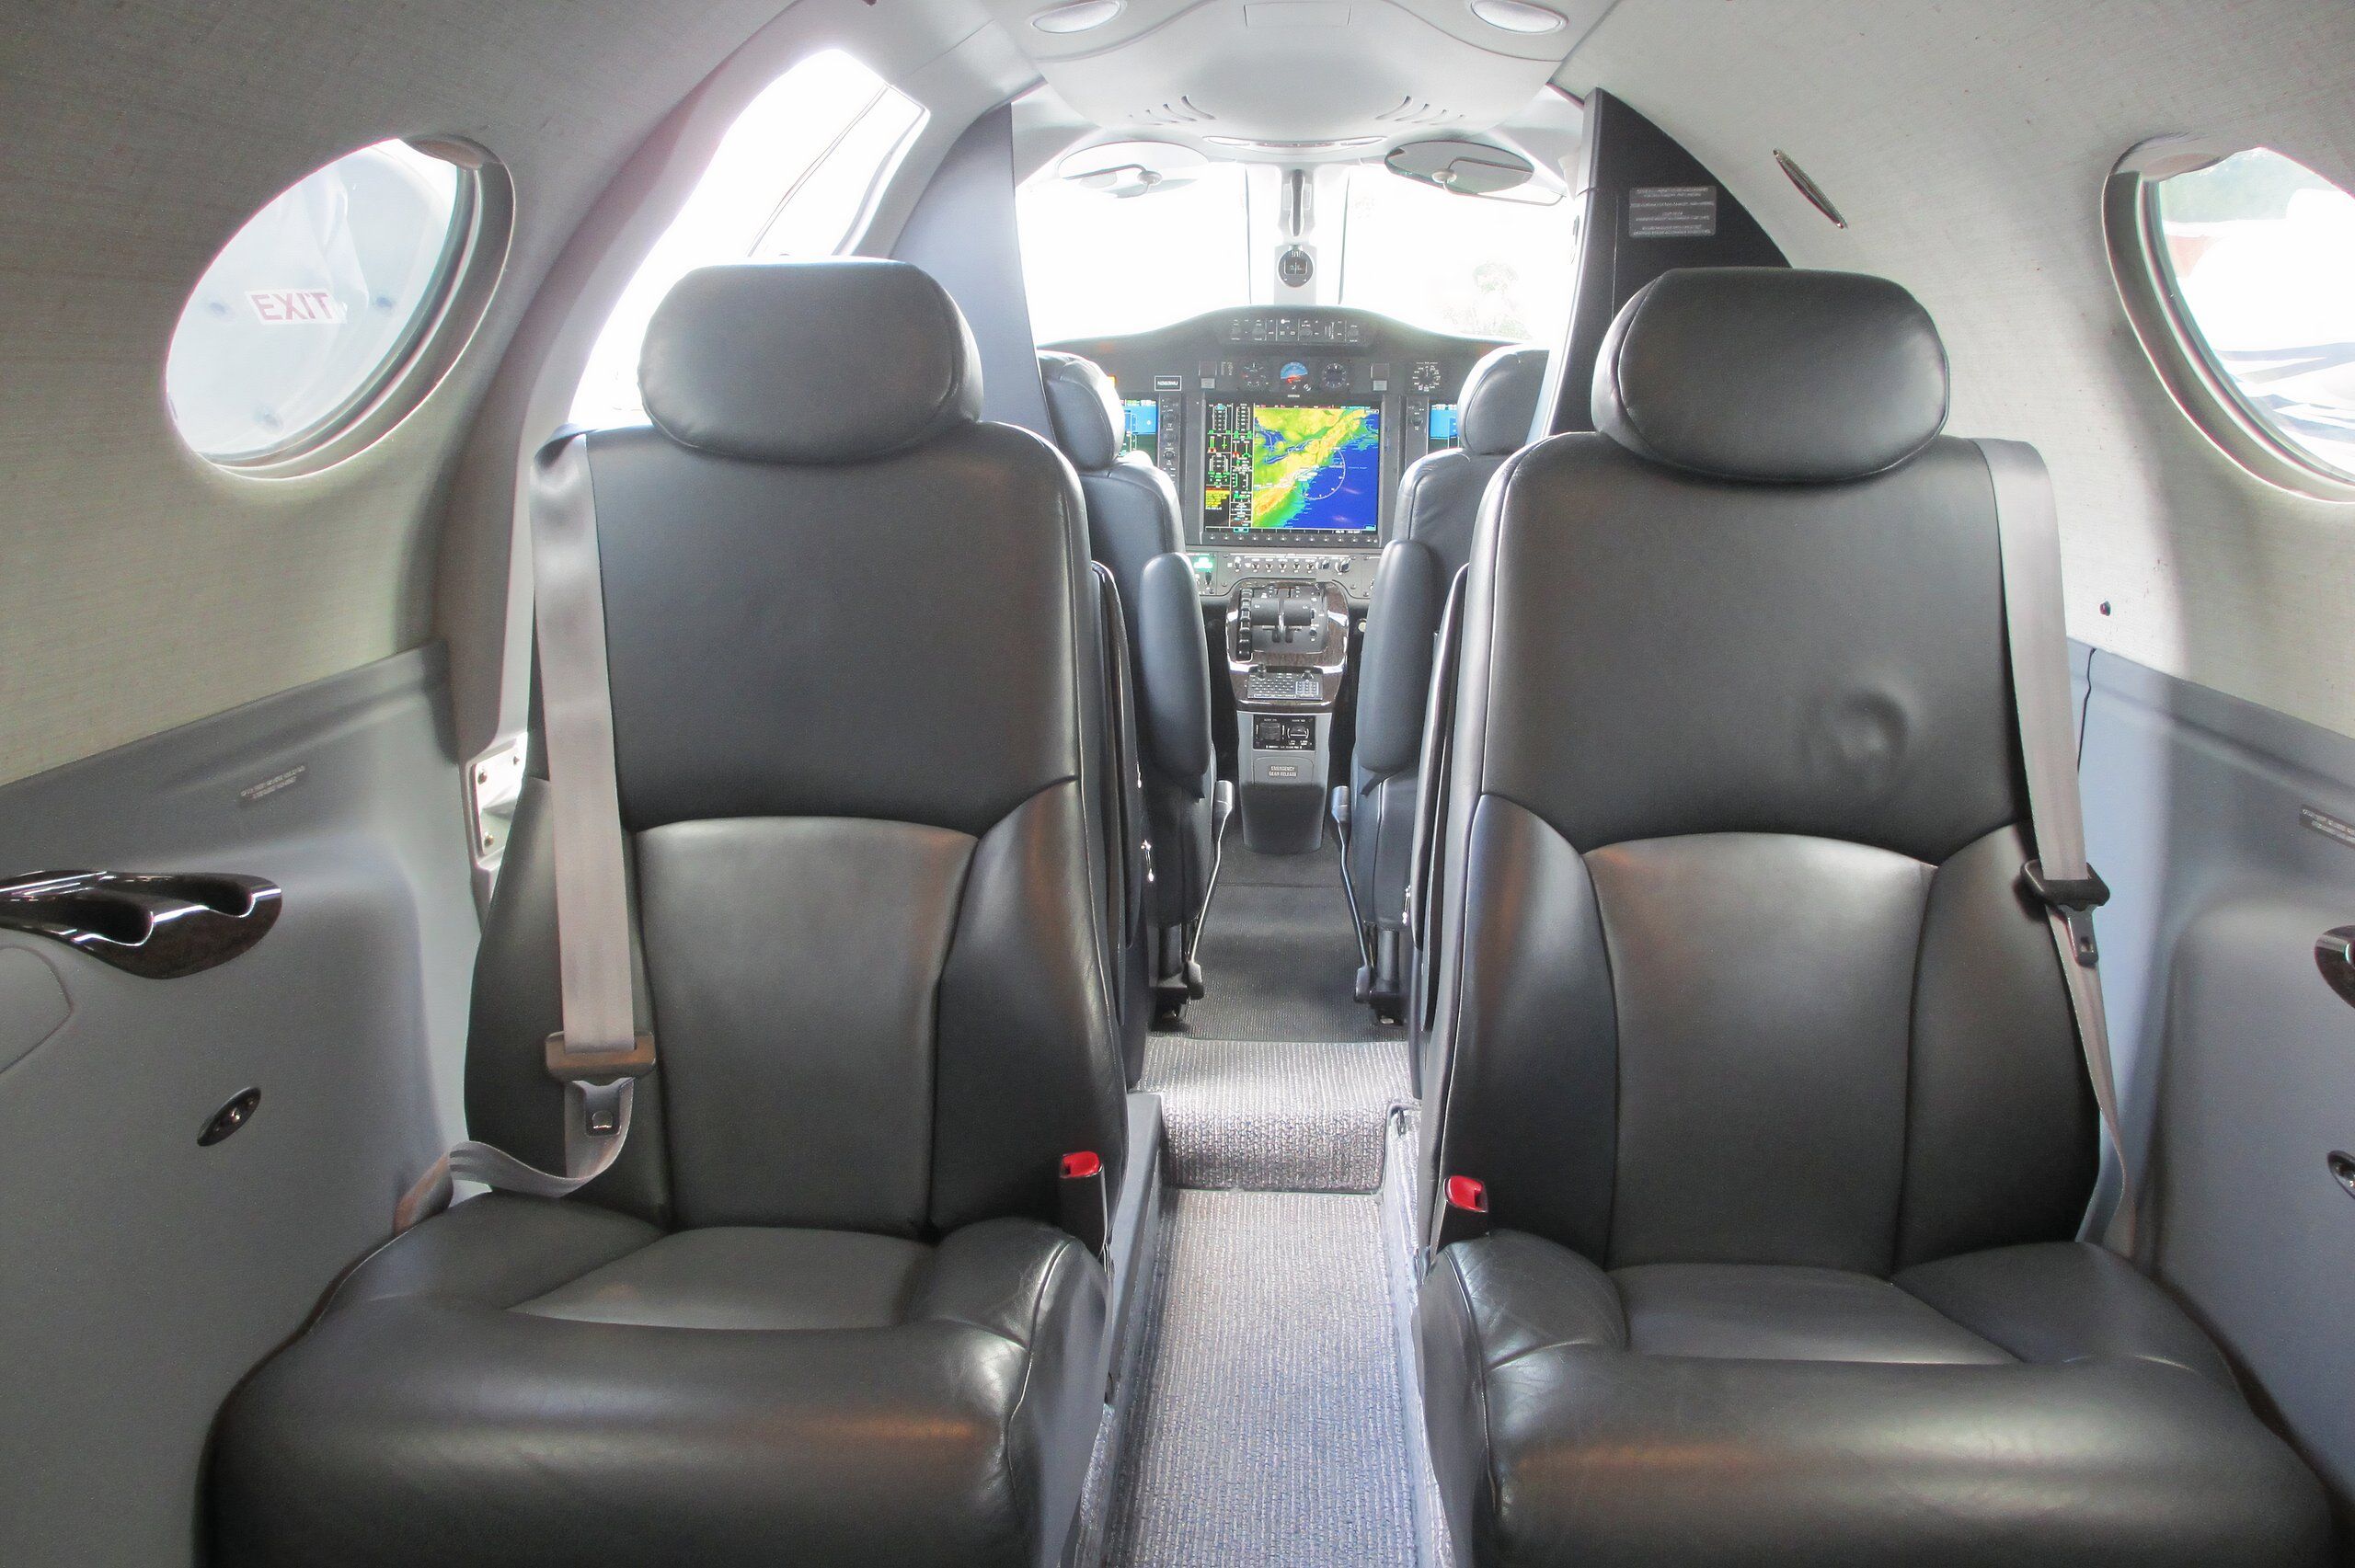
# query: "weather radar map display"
[1276,465]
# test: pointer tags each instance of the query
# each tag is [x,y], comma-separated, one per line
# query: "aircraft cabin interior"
[1177,784]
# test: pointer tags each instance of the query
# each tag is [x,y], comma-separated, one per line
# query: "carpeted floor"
[1279,959]
[1286,1116]
[1269,1427]
[1270,1424]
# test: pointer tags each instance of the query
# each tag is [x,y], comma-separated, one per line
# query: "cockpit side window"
[797,175]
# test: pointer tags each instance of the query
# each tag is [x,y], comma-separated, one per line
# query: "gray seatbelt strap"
[599,1053]
[2036,628]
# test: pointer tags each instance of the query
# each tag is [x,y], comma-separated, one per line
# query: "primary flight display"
[1292,466]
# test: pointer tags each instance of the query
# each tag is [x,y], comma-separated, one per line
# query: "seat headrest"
[808,361]
[1499,400]
[1772,374]
[1085,408]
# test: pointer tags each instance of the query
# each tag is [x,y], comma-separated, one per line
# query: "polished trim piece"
[2335,956]
[159,927]
[1809,188]
[237,1112]
[2138,266]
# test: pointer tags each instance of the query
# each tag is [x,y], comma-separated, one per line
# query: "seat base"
[2028,1405]
[521,1381]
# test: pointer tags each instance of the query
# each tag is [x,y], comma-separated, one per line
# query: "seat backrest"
[1131,506]
[1439,501]
[1439,495]
[1131,522]
[1733,963]
[852,639]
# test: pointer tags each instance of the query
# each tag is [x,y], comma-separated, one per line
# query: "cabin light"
[1077,18]
[1323,144]
[1514,17]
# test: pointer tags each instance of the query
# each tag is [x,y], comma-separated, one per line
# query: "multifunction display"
[1140,426]
[1303,468]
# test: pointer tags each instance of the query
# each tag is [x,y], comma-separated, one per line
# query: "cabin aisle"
[1270,1420]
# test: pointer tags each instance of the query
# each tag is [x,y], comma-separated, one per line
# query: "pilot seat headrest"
[1499,400]
[1773,374]
[809,361]
[1085,408]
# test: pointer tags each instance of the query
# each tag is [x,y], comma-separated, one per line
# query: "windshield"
[1485,267]
[1100,265]
[1096,265]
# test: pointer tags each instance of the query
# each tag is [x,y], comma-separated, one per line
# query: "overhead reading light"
[1077,18]
[1515,16]
[1260,145]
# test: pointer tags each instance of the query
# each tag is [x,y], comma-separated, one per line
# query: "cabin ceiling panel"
[1966,145]
[139,588]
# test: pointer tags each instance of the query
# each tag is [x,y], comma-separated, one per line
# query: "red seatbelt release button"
[1465,1216]
[1085,1206]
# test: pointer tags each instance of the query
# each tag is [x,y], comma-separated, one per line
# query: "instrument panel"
[1285,431]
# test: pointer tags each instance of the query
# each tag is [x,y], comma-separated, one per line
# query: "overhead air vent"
[1182,112]
[1412,110]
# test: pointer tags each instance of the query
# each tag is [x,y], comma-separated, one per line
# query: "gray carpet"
[1298,1116]
[1268,1428]
[1279,959]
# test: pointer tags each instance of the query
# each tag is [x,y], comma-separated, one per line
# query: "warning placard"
[1672,212]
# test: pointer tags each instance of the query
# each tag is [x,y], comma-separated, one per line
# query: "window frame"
[2168,331]
[473,258]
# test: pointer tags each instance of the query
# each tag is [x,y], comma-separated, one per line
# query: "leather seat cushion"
[521,1381]
[2033,1405]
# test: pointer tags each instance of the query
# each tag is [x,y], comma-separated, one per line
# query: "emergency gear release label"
[1672,212]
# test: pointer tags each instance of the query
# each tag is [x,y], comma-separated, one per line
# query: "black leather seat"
[1763,1055]
[1133,529]
[1439,501]
[818,1312]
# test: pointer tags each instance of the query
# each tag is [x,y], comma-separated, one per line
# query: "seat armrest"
[2060,1301]
[1409,592]
[1173,674]
[1525,1294]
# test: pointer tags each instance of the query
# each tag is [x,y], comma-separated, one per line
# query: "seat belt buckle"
[2076,899]
[1085,1207]
[568,1065]
[1464,1216]
[601,1106]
